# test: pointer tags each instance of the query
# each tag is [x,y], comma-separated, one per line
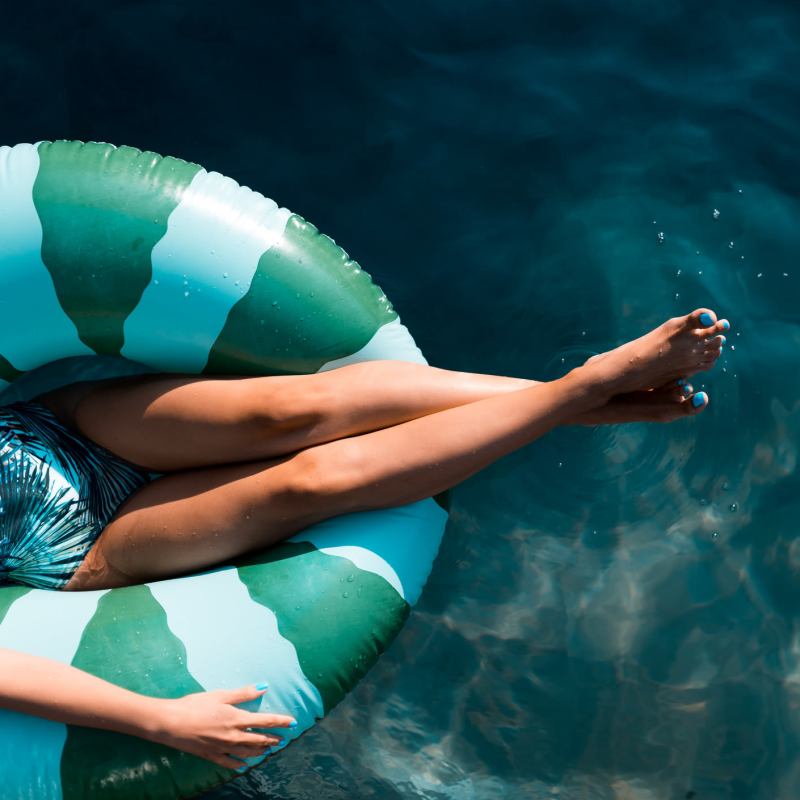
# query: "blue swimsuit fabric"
[58,490]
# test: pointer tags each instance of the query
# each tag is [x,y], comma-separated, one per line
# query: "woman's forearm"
[59,692]
[207,724]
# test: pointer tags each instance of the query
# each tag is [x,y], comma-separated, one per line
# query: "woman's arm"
[206,724]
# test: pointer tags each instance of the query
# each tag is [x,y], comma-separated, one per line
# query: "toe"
[701,318]
[683,391]
[714,345]
[696,403]
[718,328]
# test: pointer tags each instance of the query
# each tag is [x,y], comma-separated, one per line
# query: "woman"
[178,473]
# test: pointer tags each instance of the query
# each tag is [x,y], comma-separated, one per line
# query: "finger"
[257,739]
[243,694]
[226,761]
[249,752]
[251,719]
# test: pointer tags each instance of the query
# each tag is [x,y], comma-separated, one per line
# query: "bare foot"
[664,404]
[679,347]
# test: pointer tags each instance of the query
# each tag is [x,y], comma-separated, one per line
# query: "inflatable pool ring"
[115,261]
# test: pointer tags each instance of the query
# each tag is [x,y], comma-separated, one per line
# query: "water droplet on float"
[731,245]
[739,191]
[560,464]
[715,213]
[186,294]
[677,296]
[759,274]
[725,486]
[677,273]
[733,507]
[583,333]
[351,578]
[715,535]
[660,237]
[155,282]
[345,595]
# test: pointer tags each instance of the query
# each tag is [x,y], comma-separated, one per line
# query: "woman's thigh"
[171,422]
[198,518]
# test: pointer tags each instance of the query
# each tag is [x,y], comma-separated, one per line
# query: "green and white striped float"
[114,261]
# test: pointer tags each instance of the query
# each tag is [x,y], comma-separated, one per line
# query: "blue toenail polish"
[293,723]
[681,381]
[726,325]
[699,399]
[722,339]
[706,320]
[687,390]
[261,687]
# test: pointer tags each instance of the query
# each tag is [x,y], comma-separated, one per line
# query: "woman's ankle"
[587,390]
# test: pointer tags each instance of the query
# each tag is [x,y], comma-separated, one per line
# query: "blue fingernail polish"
[726,325]
[706,320]
[243,768]
[699,399]
[293,723]
[261,686]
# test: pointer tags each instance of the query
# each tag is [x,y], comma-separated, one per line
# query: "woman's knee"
[285,405]
[332,475]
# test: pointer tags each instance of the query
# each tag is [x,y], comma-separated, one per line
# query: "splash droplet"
[715,213]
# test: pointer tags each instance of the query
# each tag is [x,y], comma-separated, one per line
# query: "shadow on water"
[614,613]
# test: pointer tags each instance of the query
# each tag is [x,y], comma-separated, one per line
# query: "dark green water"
[614,613]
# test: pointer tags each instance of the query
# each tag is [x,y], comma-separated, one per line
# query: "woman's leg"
[202,517]
[173,422]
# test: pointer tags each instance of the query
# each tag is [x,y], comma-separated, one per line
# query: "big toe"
[695,403]
[701,318]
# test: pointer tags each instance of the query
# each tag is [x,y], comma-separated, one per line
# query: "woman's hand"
[209,725]
[206,724]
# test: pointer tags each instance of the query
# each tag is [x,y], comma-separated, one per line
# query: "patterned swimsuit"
[58,490]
